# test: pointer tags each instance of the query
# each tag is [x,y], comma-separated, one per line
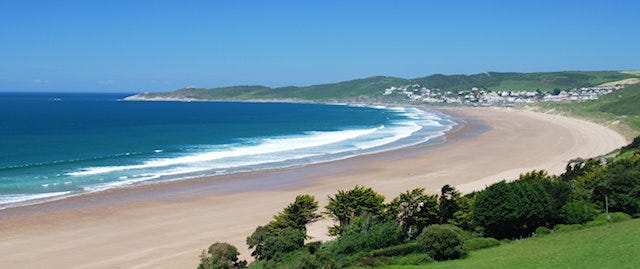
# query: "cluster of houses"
[480,96]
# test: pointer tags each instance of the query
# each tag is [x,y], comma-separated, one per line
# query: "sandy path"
[170,232]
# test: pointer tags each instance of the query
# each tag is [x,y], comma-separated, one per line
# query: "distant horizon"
[139,46]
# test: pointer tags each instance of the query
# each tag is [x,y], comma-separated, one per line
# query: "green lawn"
[617,246]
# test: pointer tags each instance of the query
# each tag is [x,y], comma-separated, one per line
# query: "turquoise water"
[54,145]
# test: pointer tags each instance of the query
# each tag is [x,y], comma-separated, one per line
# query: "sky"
[148,46]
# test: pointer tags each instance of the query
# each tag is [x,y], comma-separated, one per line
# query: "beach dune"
[167,225]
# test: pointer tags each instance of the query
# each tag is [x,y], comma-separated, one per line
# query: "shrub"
[441,242]
[480,243]
[542,230]
[221,256]
[397,250]
[367,233]
[578,212]
[601,219]
[567,228]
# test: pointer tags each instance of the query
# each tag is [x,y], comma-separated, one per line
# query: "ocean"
[54,145]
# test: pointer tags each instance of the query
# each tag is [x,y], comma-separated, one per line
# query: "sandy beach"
[167,225]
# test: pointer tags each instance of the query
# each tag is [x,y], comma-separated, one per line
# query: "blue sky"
[136,46]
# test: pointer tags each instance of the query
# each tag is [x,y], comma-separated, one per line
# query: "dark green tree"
[298,214]
[346,205]
[621,183]
[511,209]
[295,216]
[282,242]
[413,210]
[448,204]
[221,256]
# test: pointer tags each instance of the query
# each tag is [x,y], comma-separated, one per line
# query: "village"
[484,97]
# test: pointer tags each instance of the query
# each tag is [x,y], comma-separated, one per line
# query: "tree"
[346,205]
[295,216]
[559,191]
[511,209]
[578,212]
[282,242]
[413,210]
[221,256]
[442,242]
[298,214]
[621,183]
[448,205]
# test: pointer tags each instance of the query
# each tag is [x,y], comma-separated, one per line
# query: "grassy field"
[619,110]
[617,246]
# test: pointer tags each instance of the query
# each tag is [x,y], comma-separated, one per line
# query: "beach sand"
[167,225]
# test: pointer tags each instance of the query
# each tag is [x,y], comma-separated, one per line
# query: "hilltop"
[373,88]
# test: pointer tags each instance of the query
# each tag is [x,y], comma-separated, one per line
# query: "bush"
[366,233]
[578,212]
[567,228]
[480,243]
[398,250]
[441,242]
[221,256]
[601,219]
[542,230]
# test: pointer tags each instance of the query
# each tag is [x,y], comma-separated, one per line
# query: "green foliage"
[559,191]
[634,145]
[282,242]
[621,183]
[413,210]
[480,243]
[397,250]
[511,209]
[347,205]
[542,231]
[298,214]
[270,241]
[578,212]
[441,242]
[601,219]
[366,233]
[221,256]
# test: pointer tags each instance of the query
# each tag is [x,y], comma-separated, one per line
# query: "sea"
[56,145]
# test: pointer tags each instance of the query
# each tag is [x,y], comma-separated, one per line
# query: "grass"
[617,246]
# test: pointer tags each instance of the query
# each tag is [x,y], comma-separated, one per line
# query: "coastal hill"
[373,88]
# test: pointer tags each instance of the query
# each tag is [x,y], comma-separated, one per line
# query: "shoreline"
[461,130]
[113,229]
[213,175]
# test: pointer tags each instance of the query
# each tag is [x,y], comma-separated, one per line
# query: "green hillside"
[372,88]
[617,246]
[619,110]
